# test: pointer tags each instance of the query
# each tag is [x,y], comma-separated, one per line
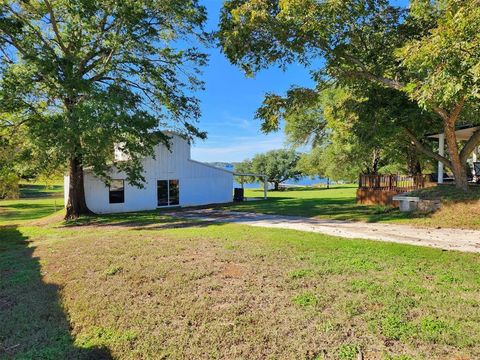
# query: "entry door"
[168,192]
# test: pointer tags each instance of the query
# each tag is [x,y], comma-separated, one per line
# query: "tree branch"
[456,111]
[94,51]
[33,28]
[6,57]
[441,112]
[55,27]
[397,85]
[100,74]
[13,42]
[420,147]
[367,74]
[470,146]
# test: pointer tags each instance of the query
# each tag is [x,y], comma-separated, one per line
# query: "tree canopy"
[359,43]
[277,165]
[84,76]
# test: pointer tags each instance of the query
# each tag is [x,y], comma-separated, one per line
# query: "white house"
[172,179]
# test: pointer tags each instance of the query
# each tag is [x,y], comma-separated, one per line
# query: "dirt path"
[448,239]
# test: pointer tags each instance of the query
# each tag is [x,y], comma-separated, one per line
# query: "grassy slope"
[143,286]
[448,193]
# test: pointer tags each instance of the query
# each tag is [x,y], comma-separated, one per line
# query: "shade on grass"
[147,286]
[36,201]
[459,210]
[22,210]
[338,202]
[30,190]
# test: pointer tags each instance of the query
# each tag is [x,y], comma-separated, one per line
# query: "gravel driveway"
[448,239]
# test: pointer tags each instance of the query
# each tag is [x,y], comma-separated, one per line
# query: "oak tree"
[85,76]
[428,51]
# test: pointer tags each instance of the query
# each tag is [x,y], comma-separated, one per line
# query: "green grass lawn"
[459,210]
[338,202]
[36,201]
[30,190]
[142,285]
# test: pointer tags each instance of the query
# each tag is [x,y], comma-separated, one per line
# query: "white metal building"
[172,179]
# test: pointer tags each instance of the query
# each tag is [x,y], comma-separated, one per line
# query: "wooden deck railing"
[401,183]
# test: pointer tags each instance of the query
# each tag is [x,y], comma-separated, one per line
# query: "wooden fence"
[402,183]
[380,189]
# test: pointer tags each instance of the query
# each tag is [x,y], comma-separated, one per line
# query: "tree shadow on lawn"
[180,224]
[33,323]
[331,208]
[39,191]
[27,211]
[140,220]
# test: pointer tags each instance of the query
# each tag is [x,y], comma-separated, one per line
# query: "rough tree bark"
[76,204]
[276,185]
[375,161]
[458,165]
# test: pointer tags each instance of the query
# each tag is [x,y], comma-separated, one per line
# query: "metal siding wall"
[199,184]
[66,185]
[205,190]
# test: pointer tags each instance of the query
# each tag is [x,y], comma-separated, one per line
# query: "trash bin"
[238,194]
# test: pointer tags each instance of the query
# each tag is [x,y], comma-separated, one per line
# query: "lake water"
[304,181]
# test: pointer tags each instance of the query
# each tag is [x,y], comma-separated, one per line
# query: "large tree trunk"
[276,185]
[458,166]
[375,161]
[76,204]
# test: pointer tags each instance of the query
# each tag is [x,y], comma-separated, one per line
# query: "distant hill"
[223,165]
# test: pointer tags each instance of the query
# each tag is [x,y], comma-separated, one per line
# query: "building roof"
[463,132]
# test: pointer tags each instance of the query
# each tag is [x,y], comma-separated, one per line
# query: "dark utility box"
[238,194]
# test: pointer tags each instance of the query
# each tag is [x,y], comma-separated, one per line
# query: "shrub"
[9,188]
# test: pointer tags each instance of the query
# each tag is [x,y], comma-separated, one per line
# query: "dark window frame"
[172,199]
[116,196]
[176,196]
[163,204]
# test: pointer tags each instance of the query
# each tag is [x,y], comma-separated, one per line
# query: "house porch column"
[441,152]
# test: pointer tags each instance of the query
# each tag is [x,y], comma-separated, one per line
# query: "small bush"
[9,188]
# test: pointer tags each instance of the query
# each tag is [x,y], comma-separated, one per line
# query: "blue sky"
[229,102]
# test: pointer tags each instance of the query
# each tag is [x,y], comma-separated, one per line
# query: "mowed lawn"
[147,286]
[339,203]
[143,286]
[36,201]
